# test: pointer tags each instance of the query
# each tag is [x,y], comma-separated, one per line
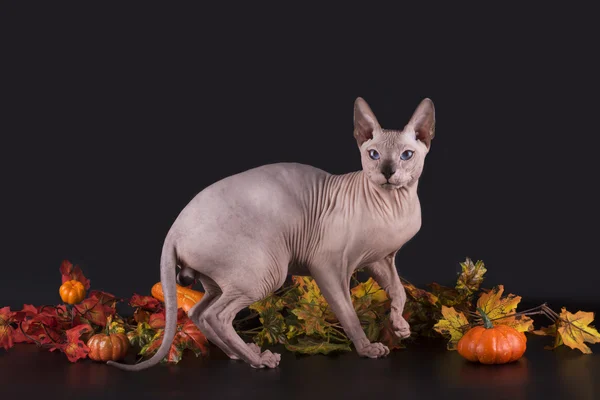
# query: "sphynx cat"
[242,236]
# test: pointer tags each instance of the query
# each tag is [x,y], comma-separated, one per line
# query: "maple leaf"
[550,331]
[369,288]
[142,335]
[389,338]
[188,336]
[6,329]
[106,299]
[273,324]
[92,310]
[447,296]
[420,295]
[575,330]
[314,346]
[74,348]
[145,302]
[471,276]
[454,324]
[497,307]
[115,324]
[70,272]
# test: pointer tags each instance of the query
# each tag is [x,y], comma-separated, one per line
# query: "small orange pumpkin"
[72,292]
[105,347]
[491,344]
[186,298]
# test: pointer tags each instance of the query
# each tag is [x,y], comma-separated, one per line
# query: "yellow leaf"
[574,330]
[496,307]
[454,324]
[370,287]
[471,276]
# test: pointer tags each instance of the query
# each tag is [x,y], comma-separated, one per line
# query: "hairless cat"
[243,235]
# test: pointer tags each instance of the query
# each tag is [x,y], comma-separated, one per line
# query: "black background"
[113,119]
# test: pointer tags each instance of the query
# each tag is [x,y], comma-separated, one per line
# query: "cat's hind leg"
[211,293]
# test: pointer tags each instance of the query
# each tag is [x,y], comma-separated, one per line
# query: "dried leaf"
[314,346]
[496,307]
[145,302]
[420,295]
[471,276]
[447,296]
[575,330]
[6,329]
[94,311]
[74,348]
[105,298]
[453,324]
[371,289]
[70,272]
[389,338]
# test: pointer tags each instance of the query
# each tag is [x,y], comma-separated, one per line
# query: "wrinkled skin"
[243,235]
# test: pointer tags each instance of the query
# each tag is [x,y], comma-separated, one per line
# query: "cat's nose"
[387,172]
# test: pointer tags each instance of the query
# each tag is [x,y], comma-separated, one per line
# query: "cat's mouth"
[390,186]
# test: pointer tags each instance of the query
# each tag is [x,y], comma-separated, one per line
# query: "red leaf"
[188,336]
[74,348]
[192,338]
[94,311]
[70,272]
[6,329]
[105,298]
[157,320]
[146,302]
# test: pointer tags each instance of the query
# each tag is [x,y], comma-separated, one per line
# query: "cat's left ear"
[423,122]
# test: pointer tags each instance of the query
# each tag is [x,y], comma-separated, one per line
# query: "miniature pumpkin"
[186,298]
[72,292]
[491,344]
[105,347]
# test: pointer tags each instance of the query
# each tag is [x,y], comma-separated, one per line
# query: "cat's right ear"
[365,123]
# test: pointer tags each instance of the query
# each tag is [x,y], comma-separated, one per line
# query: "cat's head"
[392,159]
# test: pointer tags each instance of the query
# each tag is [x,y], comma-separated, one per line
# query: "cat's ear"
[365,123]
[423,122]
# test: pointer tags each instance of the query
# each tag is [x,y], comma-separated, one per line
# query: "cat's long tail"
[168,270]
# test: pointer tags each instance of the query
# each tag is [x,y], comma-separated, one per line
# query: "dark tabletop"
[425,370]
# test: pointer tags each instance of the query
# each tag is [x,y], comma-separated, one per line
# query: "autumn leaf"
[471,276]
[420,295]
[6,329]
[497,307]
[70,272]
[447,296]
[145,302]
[74,348]
[106,299]
[273,324]
[454,324]
[92,310]
[142,335]
[313,346]
[115,324]
[369,288]
[575,330]
[550,331]
[389,338]
[188,336]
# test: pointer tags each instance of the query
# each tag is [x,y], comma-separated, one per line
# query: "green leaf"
[315,346]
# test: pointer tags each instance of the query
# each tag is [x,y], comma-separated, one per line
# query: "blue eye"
[374,154]
[406,155]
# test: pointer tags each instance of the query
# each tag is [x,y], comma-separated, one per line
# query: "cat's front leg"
[335,287]
[386,275]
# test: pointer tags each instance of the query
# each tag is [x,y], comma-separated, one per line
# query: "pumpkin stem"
[487,324]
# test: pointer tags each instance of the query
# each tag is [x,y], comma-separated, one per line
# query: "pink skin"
[243,235]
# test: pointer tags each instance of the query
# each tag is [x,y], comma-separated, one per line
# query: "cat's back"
[268,194]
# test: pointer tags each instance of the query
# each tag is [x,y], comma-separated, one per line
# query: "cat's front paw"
[400,327]
[267,360]
[373,350]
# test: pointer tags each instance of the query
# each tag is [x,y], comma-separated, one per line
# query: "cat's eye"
[374,154]
[406,155]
